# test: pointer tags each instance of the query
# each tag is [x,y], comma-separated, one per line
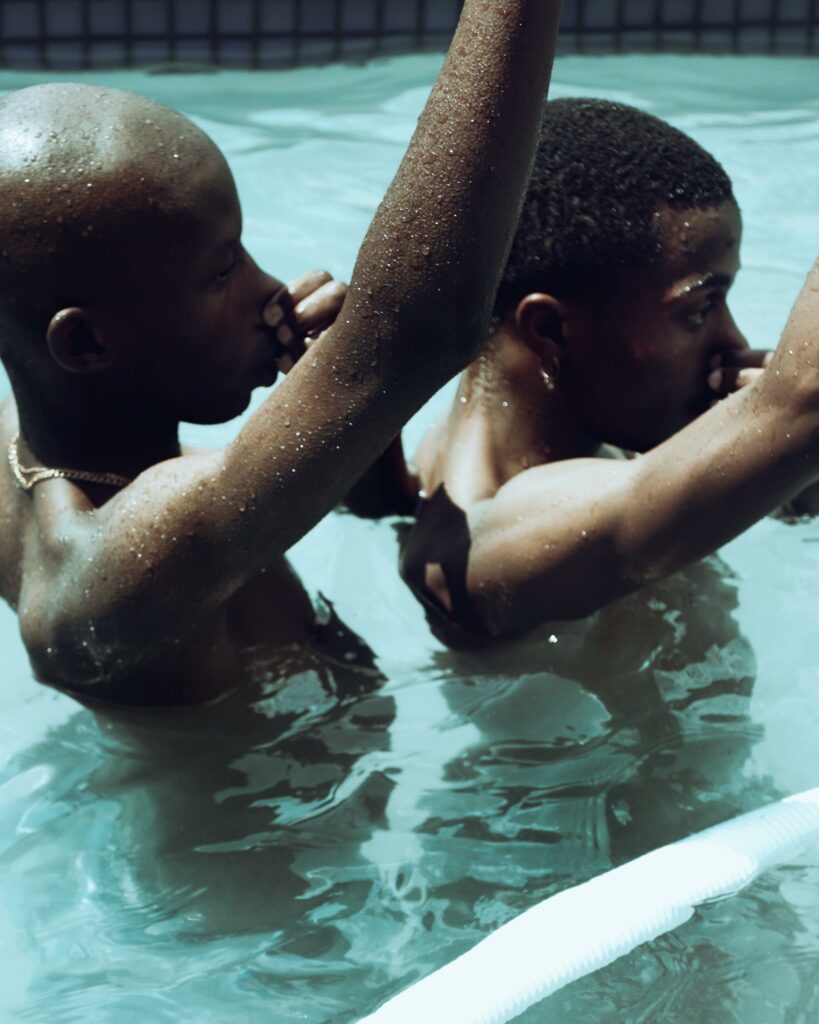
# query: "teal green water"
[292,855]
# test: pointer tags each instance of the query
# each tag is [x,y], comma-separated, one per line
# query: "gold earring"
[551,376]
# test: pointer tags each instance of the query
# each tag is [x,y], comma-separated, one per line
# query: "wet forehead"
[700,241]
[698,247]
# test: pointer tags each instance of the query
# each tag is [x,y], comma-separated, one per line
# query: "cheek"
[671,358]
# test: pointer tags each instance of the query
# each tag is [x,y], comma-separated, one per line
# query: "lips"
[268,368]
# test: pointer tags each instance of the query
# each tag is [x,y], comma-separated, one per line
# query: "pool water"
[309,846]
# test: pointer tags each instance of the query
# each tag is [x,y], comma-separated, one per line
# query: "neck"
[525,420]
[88,437]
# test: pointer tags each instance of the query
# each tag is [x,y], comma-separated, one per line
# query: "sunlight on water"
[302,850]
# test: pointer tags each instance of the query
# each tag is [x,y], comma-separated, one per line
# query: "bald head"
[91,179]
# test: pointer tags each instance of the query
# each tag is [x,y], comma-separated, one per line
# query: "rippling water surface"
[303,849]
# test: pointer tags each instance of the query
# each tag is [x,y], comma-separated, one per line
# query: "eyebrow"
[709,281]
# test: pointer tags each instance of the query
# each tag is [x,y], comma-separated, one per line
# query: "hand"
[738,369]
[301,311]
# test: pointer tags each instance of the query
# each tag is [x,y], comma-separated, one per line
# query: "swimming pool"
[288,856]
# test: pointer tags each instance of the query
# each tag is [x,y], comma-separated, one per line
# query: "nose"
[261,287]
[731,338]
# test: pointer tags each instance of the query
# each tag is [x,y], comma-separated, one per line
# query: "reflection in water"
[595,743]
[301,849]
[643,710]
[153,848]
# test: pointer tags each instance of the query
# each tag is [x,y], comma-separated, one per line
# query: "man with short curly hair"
[613,333]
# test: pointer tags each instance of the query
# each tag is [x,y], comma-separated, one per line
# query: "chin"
[641,443]
[219,411]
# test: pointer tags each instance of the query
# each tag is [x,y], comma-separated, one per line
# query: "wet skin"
[193,347]
[524,523]
[154,593]
[194,343]
[635,368]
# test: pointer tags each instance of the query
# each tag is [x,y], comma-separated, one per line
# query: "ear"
[73,343]
[540,321]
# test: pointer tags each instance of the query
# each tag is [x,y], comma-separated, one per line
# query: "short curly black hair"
[601,172]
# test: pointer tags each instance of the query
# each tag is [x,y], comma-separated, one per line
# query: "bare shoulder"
[556,494]
[462,560]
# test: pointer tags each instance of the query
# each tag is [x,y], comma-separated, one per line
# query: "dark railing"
[283,33]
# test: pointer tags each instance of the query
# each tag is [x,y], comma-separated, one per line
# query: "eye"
[233,259]
[696,318]
[223,275]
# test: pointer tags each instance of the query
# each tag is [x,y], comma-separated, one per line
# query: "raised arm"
[417,311]
[560,541]
[418,306]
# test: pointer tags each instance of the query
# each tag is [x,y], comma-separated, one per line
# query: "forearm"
[417,308]
[715,479]
[432,259]
[744,458]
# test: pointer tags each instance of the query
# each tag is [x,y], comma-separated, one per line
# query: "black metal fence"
[70,34]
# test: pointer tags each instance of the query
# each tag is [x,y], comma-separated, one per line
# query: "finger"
[291,343]
[277,307]
[301,287]
[730,379]
[316,338]
[320,308]
[285,364]
[743,357]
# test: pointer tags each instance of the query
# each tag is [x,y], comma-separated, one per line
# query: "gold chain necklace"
[28,476]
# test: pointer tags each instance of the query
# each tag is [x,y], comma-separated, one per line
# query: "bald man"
[141,573]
